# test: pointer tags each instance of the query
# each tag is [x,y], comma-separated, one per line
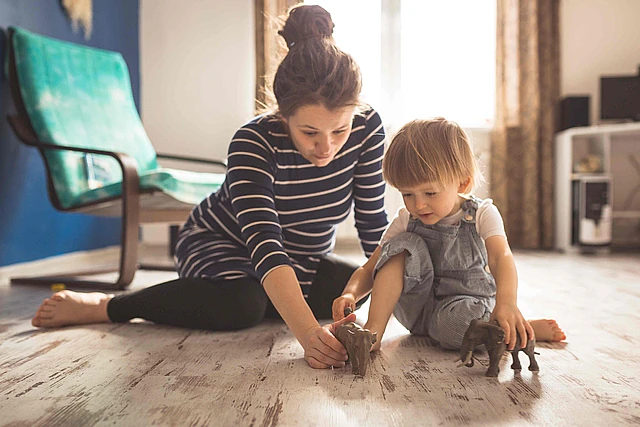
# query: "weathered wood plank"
[146,374]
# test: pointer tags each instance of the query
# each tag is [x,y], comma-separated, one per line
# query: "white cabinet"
[593,153]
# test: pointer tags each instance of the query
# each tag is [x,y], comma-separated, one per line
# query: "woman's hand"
[514,324]
[346,300]
[322,349]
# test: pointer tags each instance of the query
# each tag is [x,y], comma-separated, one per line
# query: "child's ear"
[465,186]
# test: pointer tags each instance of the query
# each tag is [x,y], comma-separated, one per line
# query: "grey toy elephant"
[492,336]
[358,343]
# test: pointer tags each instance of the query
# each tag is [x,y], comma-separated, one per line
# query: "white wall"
[597,37]
[197,65]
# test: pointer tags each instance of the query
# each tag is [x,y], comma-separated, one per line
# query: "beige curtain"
[270,47]
[527,93]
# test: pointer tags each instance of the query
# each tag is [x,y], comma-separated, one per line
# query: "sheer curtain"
[423,58]
[522,144]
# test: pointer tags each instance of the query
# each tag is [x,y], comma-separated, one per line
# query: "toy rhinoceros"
[358,343]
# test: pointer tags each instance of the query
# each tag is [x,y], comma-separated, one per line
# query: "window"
[422,58]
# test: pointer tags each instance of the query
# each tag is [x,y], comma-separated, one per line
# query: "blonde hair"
[430,151]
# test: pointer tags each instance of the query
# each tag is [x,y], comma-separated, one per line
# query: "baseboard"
[61,263]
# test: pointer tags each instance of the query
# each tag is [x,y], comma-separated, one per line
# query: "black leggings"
[225,304]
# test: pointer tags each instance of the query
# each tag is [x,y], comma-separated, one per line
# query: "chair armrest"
[216,162]
[122,158]
[129,167]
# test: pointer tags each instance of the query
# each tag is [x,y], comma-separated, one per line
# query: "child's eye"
[308,133]
[430,194]
[406,195]
[339,132]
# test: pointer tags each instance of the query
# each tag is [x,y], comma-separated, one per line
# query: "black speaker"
[574,112]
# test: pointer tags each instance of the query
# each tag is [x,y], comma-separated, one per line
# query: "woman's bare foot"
[547,330]
[72,308]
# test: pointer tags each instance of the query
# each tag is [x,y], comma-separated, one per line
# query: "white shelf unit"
[573,145]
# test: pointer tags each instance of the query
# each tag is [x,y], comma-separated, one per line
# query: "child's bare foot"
[72,308]
[547,330]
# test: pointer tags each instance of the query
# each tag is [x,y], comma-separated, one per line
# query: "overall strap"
[470,207]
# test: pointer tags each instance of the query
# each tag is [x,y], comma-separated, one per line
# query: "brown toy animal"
[358,343]
[492,336]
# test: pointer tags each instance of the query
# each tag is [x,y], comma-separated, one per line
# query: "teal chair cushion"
[81,97]
[184,186]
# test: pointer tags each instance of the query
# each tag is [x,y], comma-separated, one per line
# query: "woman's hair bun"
[306,22]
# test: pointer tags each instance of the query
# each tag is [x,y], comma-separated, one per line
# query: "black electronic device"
[620,97]
[591,211]
[574,112]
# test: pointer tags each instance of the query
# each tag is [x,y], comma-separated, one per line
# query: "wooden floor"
[143,374]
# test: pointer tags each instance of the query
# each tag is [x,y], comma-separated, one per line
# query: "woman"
[261,245]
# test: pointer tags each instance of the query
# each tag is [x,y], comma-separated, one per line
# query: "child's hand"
[514,324]
[342,302]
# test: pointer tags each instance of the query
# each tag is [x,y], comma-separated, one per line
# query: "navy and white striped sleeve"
[250,176]
[368,192]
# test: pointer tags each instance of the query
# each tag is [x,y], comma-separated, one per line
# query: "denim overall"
[446,279]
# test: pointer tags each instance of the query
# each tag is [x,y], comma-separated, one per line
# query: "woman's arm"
[321,348]
[506,312]
[368,184]
[359,285]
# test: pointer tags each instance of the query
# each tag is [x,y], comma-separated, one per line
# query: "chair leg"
[156,267]
[126,269]
[128,250]
[130,233]
[70,281]
[173,238]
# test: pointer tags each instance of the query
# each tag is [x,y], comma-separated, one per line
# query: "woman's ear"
[465,186]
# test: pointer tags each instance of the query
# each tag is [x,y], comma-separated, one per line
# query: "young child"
[444,260]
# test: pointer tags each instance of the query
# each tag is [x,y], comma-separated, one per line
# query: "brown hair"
[430,151]
[315,71]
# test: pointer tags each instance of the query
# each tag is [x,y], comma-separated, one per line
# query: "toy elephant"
[358,343]
[492,336]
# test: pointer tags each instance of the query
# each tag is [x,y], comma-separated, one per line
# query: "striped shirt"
[276,208]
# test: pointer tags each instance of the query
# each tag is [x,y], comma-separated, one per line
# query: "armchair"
[74,104]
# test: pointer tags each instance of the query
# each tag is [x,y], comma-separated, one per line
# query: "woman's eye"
[309,133]
[339,132]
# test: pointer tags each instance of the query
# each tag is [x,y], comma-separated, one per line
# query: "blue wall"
[30,228]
